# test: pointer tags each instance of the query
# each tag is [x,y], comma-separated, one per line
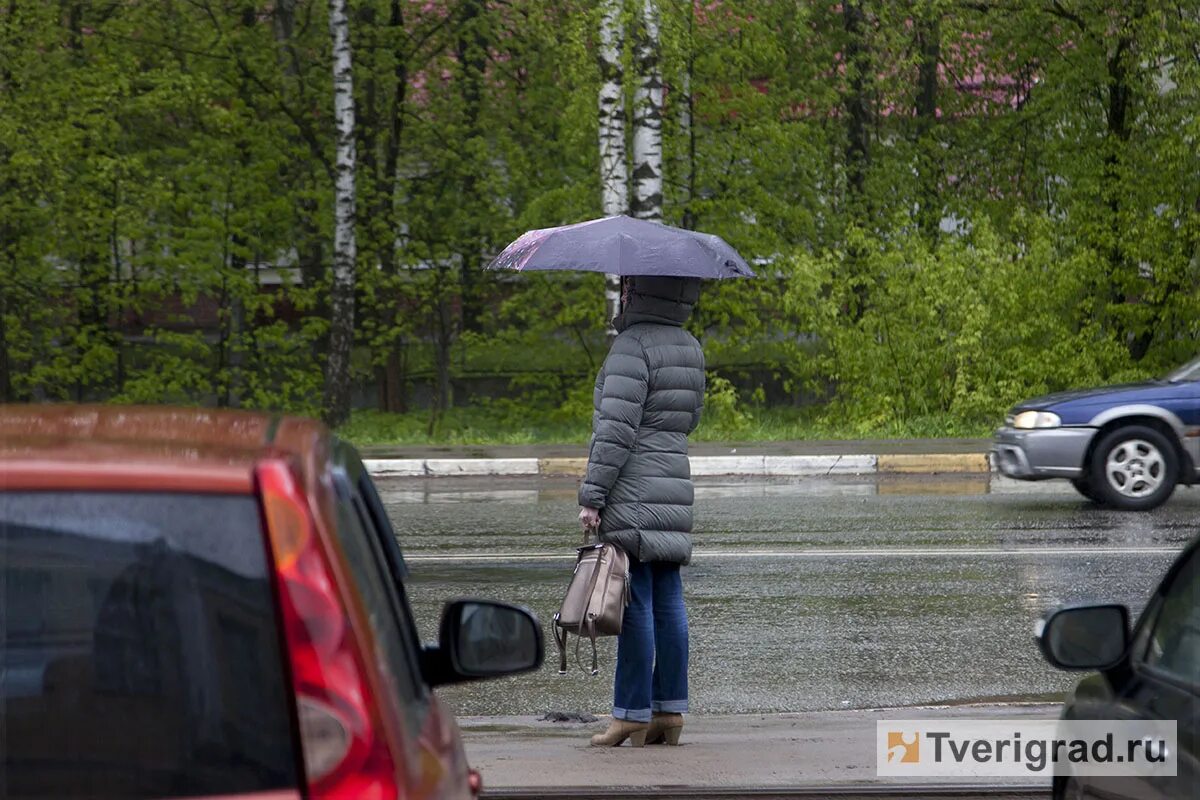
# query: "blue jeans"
[652,650]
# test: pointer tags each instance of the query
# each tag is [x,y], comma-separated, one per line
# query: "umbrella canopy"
[622,245]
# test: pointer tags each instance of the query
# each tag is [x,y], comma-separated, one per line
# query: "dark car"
[1125,446]
[201,603]
[1152,673]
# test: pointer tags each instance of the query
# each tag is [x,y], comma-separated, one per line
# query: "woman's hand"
[589,518]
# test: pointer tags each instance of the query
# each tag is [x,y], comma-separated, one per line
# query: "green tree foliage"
[939,337]
[952,203]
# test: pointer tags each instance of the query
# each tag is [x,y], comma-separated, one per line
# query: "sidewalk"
[752,459]
[805,447]
[831,748]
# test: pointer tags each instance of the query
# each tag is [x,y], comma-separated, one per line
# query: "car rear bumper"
[1034,455]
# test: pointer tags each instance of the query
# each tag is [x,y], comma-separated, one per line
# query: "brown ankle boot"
[618,731]
[665,729]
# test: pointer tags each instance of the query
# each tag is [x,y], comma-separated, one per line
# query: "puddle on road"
[550,490]
[769,636]
[840,631]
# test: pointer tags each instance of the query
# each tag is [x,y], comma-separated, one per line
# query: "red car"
[211,603]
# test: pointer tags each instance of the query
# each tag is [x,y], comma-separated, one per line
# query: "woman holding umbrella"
[637,492]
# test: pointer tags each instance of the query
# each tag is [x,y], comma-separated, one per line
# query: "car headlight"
[1036,419]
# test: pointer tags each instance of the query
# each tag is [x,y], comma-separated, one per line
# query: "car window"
[389,544]
[1140,644]
[1174,646]
[383,526]
[139,655]
[1188,372]
[390,624]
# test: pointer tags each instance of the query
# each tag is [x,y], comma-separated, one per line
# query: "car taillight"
[346,753]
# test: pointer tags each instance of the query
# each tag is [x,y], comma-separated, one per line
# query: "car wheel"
[1084,487]
[1134,468]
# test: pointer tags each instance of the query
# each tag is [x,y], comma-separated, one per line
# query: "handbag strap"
[589,619]
[588,623]
[578,659]
[560,639]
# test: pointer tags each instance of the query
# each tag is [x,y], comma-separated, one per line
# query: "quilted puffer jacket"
[648,398]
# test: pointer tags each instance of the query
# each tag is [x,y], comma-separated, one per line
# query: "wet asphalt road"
[808,595]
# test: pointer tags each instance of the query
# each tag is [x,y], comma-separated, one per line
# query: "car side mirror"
[1085,637]
[482,639]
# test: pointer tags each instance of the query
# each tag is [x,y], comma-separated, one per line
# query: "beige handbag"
[595,601]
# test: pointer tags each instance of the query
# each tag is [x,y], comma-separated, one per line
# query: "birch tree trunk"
[341,327]
[614,174]
[647,116]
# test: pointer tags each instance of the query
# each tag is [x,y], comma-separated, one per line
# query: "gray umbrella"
[622,245]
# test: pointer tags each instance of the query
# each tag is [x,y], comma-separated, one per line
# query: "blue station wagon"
[1123,446]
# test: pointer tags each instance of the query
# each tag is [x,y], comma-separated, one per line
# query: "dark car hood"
[1046,401]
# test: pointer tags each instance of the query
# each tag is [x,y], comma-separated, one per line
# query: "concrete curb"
[452,467]
[957,463]
[702,466]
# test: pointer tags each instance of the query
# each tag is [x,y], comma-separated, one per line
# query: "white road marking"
[896,552]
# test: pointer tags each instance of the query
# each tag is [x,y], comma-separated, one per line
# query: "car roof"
[147,448]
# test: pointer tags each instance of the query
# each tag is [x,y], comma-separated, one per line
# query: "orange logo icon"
[904,748]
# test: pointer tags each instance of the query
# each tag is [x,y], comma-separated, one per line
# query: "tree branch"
[1056,8]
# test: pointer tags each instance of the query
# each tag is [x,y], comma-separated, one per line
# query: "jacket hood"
[662,301]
